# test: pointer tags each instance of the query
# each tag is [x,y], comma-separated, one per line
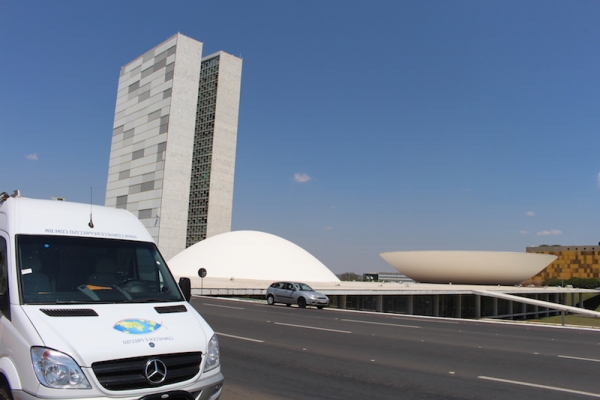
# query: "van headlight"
[212,354]
[57,370]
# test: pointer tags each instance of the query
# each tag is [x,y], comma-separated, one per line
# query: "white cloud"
[524,232]
[301,178]
[33,157]
[530,213]
[552,232]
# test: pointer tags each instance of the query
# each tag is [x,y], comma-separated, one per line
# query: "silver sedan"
[290,293]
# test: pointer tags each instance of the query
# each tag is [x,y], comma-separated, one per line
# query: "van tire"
[5,393]
[270,300]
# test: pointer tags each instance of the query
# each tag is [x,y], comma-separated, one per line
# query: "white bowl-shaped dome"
[250,255]
[468,267]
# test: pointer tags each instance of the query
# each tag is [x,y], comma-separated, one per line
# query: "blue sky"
[364,127]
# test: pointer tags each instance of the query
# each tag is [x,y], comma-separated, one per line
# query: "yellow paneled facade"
[572,262]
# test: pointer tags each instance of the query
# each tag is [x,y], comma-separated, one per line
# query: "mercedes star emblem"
[155,371]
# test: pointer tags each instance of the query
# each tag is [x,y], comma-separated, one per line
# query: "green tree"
[349,276]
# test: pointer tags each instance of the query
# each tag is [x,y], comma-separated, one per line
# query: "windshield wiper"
[81,302]
[150,300]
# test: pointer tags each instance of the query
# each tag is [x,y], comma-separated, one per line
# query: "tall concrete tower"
[172,156]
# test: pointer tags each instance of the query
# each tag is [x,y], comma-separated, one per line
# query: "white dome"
[250,255]
[468,267]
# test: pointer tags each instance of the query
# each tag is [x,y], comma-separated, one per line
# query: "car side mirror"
[185,284]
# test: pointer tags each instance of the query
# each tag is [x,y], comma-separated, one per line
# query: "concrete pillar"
[436,305]
[547,298]
[536,308]
[510,309]
[524,310]
[410,304]
[580,300]
[458,306]
[379,303]
[342,301]
[477,306]
[495,306]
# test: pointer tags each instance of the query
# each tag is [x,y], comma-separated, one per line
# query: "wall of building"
[211,191]
[172,157]
[572,262]
[153,133]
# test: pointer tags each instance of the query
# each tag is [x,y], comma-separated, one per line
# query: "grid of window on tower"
[202,153]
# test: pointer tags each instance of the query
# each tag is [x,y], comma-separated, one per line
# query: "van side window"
[3,267]
[4,301]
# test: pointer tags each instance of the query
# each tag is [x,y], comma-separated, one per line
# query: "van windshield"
[70,269]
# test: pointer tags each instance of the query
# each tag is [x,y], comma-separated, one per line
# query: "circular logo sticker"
[136,326]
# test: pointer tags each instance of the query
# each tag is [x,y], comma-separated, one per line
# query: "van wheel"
[301,302]
[270,300]
[5,393]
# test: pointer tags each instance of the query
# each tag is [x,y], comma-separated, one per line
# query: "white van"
[89,310]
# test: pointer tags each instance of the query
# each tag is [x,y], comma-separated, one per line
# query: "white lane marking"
[580,358]
[437,321]
[540,386]
[218,305]
[311,327]
[240,337]
[380,323]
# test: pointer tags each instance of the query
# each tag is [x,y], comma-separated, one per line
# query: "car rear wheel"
[270,300]
[302,302]
[288,305]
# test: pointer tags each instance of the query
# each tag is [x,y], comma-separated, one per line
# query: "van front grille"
[130,373]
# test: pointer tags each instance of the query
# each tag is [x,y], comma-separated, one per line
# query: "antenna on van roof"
[91,223]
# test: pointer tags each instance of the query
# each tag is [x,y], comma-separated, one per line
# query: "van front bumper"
[205,389]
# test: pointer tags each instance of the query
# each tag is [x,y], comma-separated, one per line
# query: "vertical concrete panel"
[495,307]
[410,302]
[224,145]
[180,143]
[342,301]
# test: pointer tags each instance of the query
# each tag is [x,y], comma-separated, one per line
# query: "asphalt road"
[278,352]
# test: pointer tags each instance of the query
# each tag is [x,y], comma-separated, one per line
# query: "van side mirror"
[186,287]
